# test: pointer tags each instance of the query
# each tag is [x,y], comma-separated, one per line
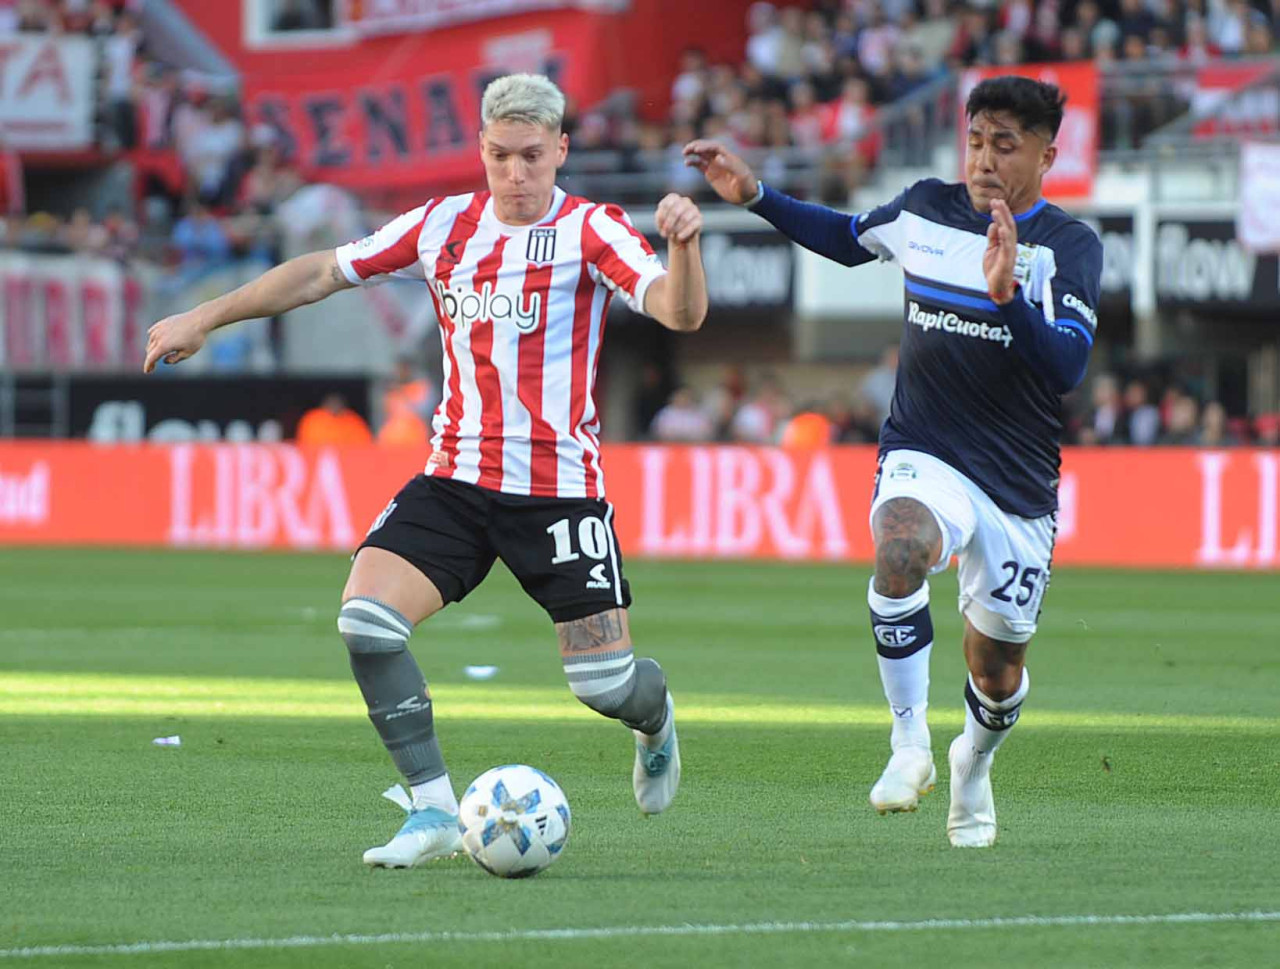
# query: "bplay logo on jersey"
[949,322]
[466,307]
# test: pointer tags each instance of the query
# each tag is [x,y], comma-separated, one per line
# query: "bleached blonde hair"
[526,98]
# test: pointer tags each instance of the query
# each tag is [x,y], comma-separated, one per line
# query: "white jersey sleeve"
[390,251]
[620,256]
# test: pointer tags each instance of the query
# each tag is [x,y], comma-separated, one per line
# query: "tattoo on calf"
[590,631]
[335,273]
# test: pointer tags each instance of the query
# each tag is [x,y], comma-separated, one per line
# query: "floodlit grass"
[1144,777]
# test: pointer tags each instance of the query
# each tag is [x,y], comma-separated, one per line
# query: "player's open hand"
[731,177]
[173,339]
[1002,252]
[679,220]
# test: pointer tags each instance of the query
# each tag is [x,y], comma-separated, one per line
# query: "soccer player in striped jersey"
[1000,306]
[521,276]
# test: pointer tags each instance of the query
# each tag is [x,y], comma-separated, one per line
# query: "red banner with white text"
[412,118]
[409,16]
[1076,166]
[1174,508]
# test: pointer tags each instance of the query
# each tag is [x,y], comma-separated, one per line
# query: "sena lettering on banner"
[418,122]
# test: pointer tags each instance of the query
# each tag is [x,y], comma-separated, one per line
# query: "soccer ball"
[514,821]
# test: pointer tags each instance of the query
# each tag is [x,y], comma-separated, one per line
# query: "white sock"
[437,793]
[904,663]
[986,721]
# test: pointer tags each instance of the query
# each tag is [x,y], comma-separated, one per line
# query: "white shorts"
[1004,559]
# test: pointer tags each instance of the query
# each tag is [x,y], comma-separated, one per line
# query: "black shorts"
[563,551]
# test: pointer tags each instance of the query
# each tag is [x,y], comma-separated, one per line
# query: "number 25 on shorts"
[1027,587]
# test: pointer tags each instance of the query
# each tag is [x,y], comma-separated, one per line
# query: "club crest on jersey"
[1024,263]
[541,244]
[465,307]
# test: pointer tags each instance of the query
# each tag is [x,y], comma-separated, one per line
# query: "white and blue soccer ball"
[514,821]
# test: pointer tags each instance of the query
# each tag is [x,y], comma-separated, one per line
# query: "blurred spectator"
[682,420]
[1106,426]
[119,52]
[933,33]
[406,407]
[808,428]
[1213,427]
[691,83]
[1267,429]
[333,422]
[1182,423]
[1143,417]
[202,243]
[877,387]
[759,419]
[210,139]
[653,394]
[765,37]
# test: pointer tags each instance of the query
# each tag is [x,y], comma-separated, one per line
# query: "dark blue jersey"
[980,385]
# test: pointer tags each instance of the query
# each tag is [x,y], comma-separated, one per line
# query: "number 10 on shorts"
[593,540]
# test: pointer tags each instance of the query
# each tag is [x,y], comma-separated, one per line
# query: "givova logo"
[949,322]
[466,307]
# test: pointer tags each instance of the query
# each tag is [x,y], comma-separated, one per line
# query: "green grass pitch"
[1142,780]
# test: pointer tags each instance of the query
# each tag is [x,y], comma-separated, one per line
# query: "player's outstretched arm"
[304,279]
[678,300]
[819,229]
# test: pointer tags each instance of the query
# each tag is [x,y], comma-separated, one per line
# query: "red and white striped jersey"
[522,312]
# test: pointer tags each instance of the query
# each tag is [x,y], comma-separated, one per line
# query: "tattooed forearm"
[591,631]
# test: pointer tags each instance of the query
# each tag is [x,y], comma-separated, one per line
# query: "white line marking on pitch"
[622,931]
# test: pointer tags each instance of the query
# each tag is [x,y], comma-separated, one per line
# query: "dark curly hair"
[1036,105]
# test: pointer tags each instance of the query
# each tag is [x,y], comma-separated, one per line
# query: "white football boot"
[656,774]
[428,833]
[909,774]
[971,822]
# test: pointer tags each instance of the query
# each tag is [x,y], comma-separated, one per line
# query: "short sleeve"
[390,251]
[623,257]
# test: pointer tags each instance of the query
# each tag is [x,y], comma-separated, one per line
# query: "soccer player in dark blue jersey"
[1000,295]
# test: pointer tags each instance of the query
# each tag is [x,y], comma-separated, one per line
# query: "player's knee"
[908,543]
[902,564]
[369,627]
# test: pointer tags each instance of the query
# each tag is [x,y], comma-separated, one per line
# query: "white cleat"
[909,773]
[428,833]
[971,822]
[656,774]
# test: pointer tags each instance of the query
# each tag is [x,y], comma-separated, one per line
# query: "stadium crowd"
[765,411]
